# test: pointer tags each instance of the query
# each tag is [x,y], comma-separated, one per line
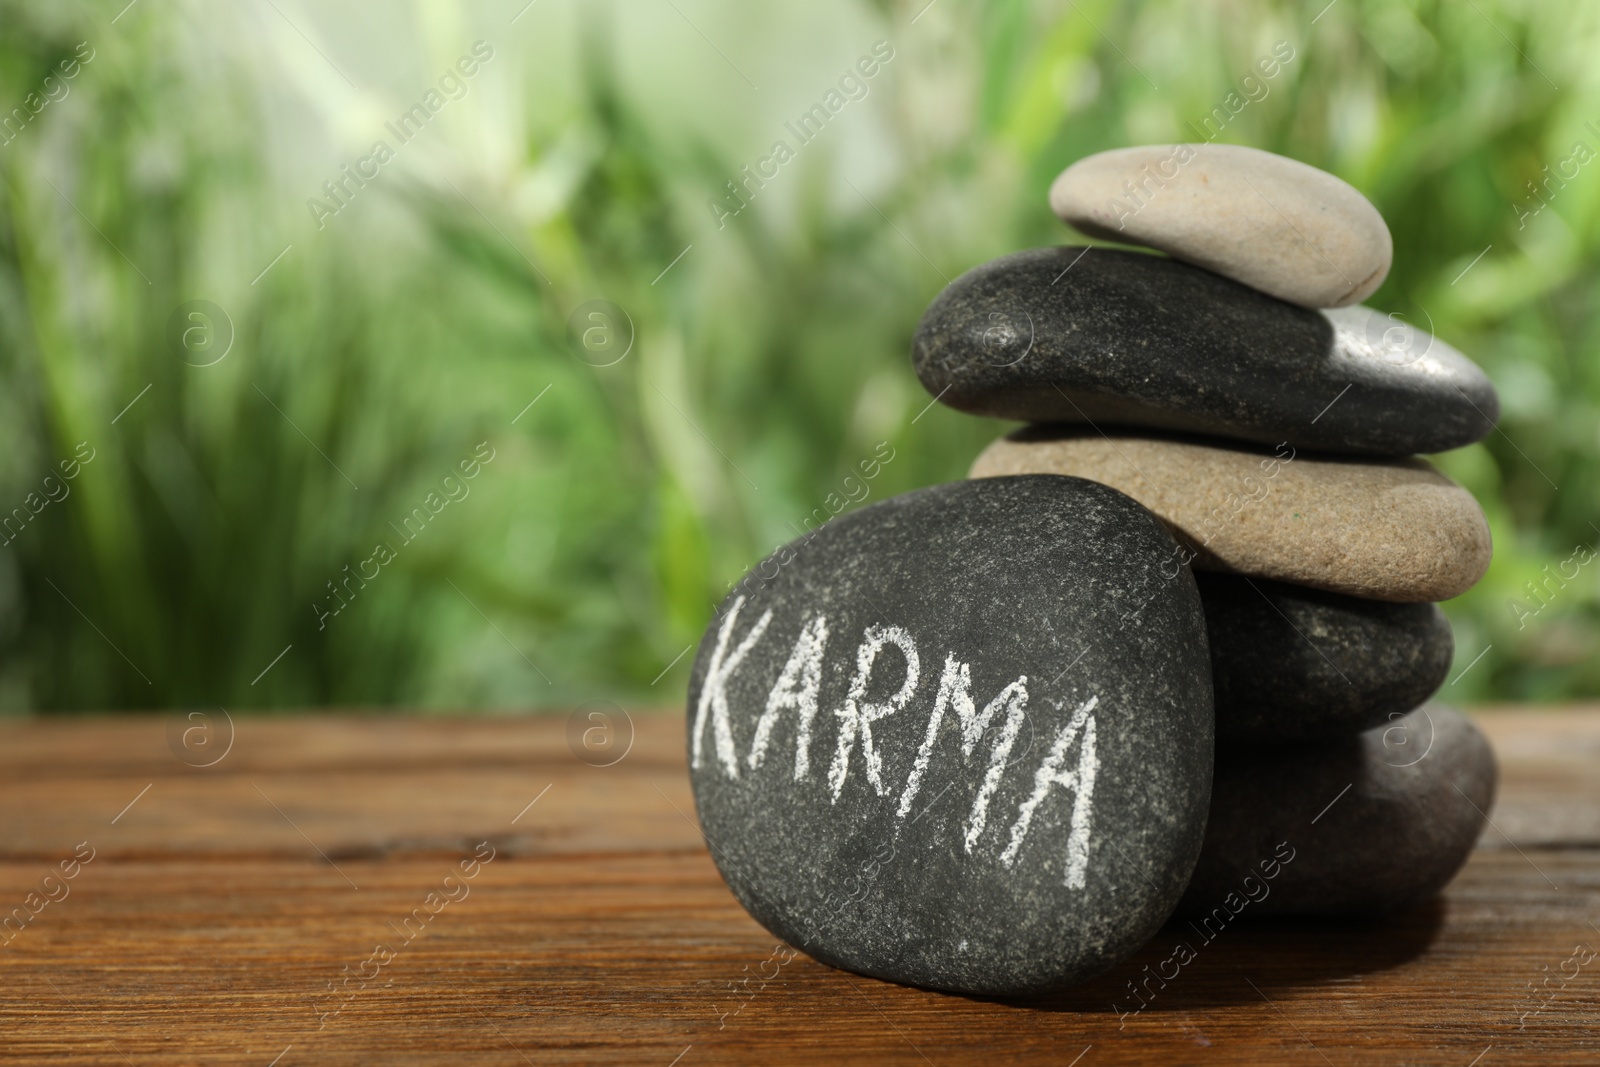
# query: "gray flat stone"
[960,738]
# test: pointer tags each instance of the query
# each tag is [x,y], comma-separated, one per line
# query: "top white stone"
[1272,223]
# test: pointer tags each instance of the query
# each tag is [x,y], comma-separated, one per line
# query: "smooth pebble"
[1395,530]
[961,738]
[1377,822]
[1291,663]
[1270,222]
[1115,338]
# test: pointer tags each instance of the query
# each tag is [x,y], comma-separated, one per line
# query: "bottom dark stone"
[1374,823]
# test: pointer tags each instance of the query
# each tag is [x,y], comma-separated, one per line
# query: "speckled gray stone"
[1297,664]
[1124,338]
[1418,793]
[1059,706]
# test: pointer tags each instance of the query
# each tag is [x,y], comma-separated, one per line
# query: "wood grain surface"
[230,915]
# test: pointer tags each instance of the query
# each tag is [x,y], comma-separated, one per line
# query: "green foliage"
[214,525]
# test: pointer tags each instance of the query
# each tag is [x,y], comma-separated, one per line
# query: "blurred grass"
[380,350]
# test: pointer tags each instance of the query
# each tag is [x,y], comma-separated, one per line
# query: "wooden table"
[229,914]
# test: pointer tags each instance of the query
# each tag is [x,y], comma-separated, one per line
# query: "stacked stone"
[1231,387]
[1168,650]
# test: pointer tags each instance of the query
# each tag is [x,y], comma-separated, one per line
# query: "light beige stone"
[1272,223]
[1393,530]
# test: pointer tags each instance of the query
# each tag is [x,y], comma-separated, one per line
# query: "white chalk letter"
[713,691]
[797,687]
[1079,780]
[857,715]
[955,691]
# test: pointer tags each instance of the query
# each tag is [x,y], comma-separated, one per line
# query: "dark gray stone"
[1297,664]
[1062,803]
[1287,837]
[1115,337]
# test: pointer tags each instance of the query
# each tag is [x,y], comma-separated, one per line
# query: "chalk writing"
[1080,780]
[714,691]
[858,715]
[955,691]
[799,687]
[887,652]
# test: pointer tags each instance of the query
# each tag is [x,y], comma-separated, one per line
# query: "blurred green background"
[366,353]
